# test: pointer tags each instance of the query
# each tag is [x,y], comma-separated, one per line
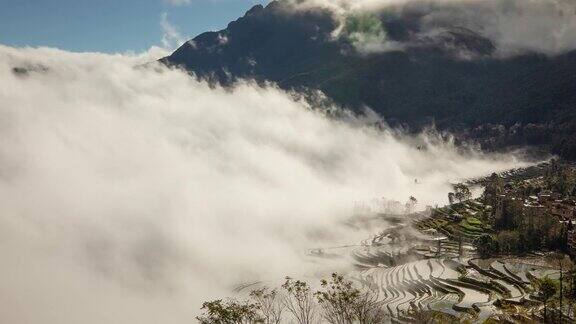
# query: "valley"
[458,263]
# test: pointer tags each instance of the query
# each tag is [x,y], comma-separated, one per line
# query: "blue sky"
[111,25]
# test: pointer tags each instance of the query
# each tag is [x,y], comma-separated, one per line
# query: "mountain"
[452,78]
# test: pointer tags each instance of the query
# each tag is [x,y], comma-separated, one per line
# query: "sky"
[112,26]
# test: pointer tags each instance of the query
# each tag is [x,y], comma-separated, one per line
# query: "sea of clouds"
[130,193]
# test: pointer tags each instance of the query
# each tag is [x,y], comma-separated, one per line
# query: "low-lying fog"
[130,194]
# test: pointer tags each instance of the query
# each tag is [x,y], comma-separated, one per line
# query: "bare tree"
[269,304]
[368,307]
[299,301]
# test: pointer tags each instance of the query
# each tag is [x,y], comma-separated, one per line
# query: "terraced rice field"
[439,270]
[449,285]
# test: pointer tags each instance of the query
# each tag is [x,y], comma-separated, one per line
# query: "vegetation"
[337,301]
[472,224]
[363,27]
[342,303]
[461,192]
[547,289]
[509,242]
[431,316]
[486,246]
[229,312]
[269,305]
[299,301]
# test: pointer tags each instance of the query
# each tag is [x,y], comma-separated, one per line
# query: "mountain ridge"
[452,79]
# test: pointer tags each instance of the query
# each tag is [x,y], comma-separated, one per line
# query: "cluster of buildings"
[545,204]
[564,209]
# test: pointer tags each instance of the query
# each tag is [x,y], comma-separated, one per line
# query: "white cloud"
[130,194]
[152,54]
[171,38]
[177,2]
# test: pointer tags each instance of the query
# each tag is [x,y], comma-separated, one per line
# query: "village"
[542,206]
[504,257]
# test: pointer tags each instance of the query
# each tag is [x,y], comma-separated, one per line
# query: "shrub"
[486,246]
[509,241]
[229,312]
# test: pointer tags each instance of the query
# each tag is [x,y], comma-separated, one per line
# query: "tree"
[342,303]
[486,245]
[229,312]
[451,198]
[494,187]
[564,262]
[410,204]
[461,192]
[508,241]
[547,289]
[299,301]
[337,299]
[269,305]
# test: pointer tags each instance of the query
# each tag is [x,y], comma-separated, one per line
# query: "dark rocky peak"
[263,38]
[255,10]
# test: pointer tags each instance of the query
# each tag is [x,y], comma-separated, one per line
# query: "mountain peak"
[254,10]
[410,75]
